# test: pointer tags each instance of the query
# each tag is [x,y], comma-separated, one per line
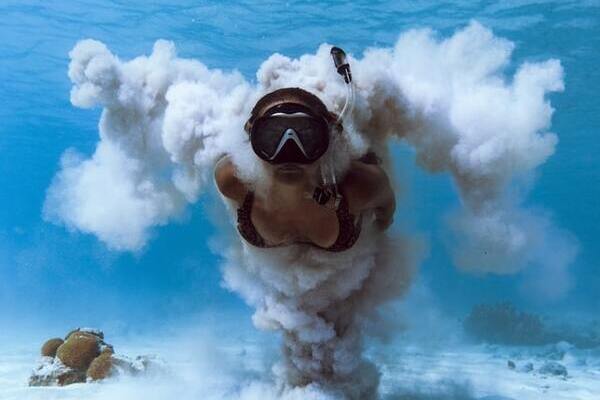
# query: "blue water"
[51,275]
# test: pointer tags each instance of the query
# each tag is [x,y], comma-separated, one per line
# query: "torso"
[305,221]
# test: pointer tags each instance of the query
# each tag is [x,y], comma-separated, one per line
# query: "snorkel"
[324,193]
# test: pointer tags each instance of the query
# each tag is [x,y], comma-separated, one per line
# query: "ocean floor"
[238,367]
[491,372]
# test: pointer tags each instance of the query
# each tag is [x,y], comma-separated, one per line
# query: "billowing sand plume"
[320,302]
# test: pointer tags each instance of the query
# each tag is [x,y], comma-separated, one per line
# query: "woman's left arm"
[384,200]
[369,189]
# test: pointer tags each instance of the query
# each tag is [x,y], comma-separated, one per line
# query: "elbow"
[384,214]
[225,178]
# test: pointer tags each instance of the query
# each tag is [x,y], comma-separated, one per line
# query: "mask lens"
[266,135]
[312,133]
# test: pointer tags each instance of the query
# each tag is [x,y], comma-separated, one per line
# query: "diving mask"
[290,133]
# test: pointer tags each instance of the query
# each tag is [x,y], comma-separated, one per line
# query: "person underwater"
[290,130]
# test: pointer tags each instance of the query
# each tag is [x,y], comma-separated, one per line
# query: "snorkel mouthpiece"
[343,68]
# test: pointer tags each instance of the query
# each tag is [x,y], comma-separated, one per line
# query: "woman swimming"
[290,130]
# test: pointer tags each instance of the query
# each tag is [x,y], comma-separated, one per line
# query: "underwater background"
[53,278]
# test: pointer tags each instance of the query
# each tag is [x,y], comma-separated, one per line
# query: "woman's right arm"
[227,182]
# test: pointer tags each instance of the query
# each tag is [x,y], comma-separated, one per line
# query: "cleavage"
[308,222]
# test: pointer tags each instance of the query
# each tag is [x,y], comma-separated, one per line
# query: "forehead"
[290,98]
[287,109]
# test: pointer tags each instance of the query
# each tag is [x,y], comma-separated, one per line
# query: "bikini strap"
[349,229]
[245,225]
[248,200]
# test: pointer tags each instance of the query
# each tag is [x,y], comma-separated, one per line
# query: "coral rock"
[79,350]
[108,364]
[85,356]
[90,331]
[528,367]
[52,372]
[49,348]
[106,349]
[553,368]
[101,367]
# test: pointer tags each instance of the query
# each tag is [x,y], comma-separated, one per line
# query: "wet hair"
[292,95]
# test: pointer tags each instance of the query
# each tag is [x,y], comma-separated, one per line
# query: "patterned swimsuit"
[348,231]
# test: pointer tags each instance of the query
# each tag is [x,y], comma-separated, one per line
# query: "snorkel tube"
[323,194]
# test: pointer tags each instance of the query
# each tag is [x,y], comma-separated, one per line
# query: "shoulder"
[227,181]
[362,174]
[363,182]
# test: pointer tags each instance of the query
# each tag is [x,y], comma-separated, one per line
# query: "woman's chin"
[289,173]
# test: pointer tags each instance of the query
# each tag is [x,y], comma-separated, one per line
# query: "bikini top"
[349,231]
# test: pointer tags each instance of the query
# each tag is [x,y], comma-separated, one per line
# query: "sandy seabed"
[239,368]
